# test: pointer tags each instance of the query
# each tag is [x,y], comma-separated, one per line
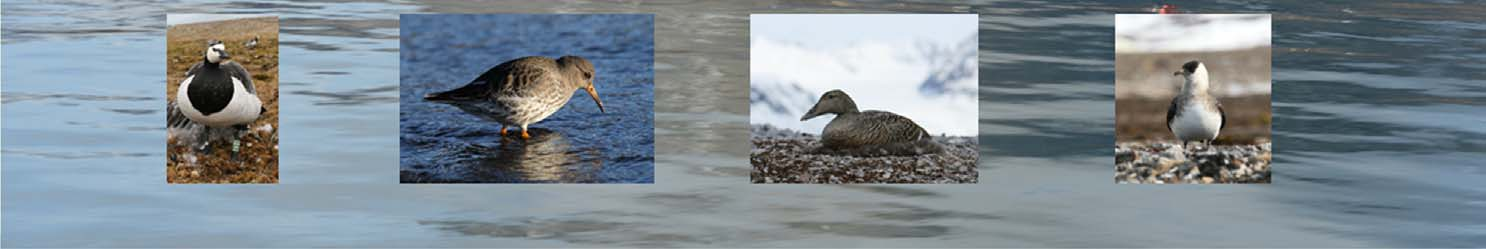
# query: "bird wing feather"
[1171,111]
[237,71]
[174,118]
[894,127]
[527,73]
[489,82]
[194,69]
[1222,117]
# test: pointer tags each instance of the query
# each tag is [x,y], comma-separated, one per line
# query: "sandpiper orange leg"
[503,130]
[524,135]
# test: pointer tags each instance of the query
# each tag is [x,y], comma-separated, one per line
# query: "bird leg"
[503,130]
[205,148]
[206,141]
[1188,146]
[524,135]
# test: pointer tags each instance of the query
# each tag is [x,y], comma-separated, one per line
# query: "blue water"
[1377,135]
[578,144]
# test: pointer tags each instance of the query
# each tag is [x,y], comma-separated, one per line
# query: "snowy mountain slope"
[933,83]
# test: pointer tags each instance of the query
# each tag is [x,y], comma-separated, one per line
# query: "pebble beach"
[1162,162]
[786,156]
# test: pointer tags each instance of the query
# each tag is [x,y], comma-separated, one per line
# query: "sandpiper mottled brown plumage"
[523,91]
[868,132]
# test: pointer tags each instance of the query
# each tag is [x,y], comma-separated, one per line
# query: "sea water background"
[1378,120]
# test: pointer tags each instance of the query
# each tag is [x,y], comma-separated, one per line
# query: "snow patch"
[1152,33]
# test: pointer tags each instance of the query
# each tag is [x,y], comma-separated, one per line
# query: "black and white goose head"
[216,52]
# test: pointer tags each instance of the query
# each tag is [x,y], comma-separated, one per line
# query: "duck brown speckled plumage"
[867,133]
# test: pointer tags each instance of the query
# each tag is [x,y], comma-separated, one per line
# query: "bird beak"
[223,54]
[1177,73]
[810,114]
[595,94]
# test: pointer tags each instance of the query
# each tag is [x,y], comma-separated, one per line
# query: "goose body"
[522,91]
[217,94]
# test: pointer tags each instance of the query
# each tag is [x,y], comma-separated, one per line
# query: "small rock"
[1161,162]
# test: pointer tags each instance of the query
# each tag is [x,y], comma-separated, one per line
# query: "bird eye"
[587,75]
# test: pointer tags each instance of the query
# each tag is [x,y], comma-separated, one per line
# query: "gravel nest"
[1173,163]
[785,156]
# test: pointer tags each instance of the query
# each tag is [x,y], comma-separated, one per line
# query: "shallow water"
[1377,137]
[578,144]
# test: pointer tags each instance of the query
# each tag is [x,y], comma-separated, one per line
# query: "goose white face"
[216,52]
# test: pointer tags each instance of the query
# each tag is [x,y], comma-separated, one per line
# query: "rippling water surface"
[1378,113]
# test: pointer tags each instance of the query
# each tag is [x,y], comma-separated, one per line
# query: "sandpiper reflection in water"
[545,157]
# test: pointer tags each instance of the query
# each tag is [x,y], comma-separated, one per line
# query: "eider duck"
[217,94]
[867,133]
[1195,115]
[523,91]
